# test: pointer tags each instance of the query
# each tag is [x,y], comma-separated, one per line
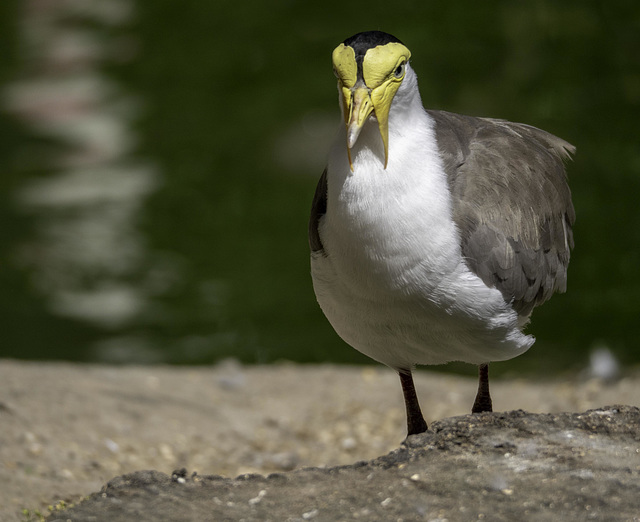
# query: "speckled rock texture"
[498,466]
[66,430]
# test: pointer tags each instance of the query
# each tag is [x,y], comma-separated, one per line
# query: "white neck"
[402,212]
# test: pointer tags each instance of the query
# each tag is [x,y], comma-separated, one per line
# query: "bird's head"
[370,68]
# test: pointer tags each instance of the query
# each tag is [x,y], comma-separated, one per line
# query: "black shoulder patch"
[318,209]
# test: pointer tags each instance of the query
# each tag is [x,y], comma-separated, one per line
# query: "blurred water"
[158,160]
[86,251]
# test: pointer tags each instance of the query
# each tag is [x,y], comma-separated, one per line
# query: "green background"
[237,106]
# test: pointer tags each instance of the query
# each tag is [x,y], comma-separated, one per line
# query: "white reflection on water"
[88,248]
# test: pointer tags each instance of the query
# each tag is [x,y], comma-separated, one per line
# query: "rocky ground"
[67,430]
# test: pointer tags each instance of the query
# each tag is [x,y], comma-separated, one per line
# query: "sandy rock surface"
[500,467]
[66,430]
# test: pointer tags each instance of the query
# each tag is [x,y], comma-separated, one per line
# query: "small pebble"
[348,443]
[111,445]
[256,500]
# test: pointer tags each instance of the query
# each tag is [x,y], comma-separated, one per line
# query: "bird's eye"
[399,72]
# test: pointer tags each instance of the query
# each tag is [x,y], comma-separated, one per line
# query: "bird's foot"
[483,398]
[416,425]
[482,403]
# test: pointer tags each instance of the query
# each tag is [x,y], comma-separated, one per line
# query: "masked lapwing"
[433,235]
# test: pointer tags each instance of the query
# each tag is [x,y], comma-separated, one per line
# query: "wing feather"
[511,203]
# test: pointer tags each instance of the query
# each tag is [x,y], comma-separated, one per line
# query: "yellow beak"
[359,104]
[359,110]
[372,91]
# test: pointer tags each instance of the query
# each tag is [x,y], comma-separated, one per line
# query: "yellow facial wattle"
[373,92]
[346,70]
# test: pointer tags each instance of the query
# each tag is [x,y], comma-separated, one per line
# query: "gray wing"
[511,203]
[318,209]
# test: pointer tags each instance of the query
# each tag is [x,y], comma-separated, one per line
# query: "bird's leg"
[483,398]
[415,420]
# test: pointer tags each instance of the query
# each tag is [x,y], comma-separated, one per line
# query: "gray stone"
[494,466]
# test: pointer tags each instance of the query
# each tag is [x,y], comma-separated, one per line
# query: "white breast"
[393,282]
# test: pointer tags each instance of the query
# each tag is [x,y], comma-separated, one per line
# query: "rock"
[494,466]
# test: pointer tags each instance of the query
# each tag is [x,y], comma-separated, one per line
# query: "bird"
[433,235]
